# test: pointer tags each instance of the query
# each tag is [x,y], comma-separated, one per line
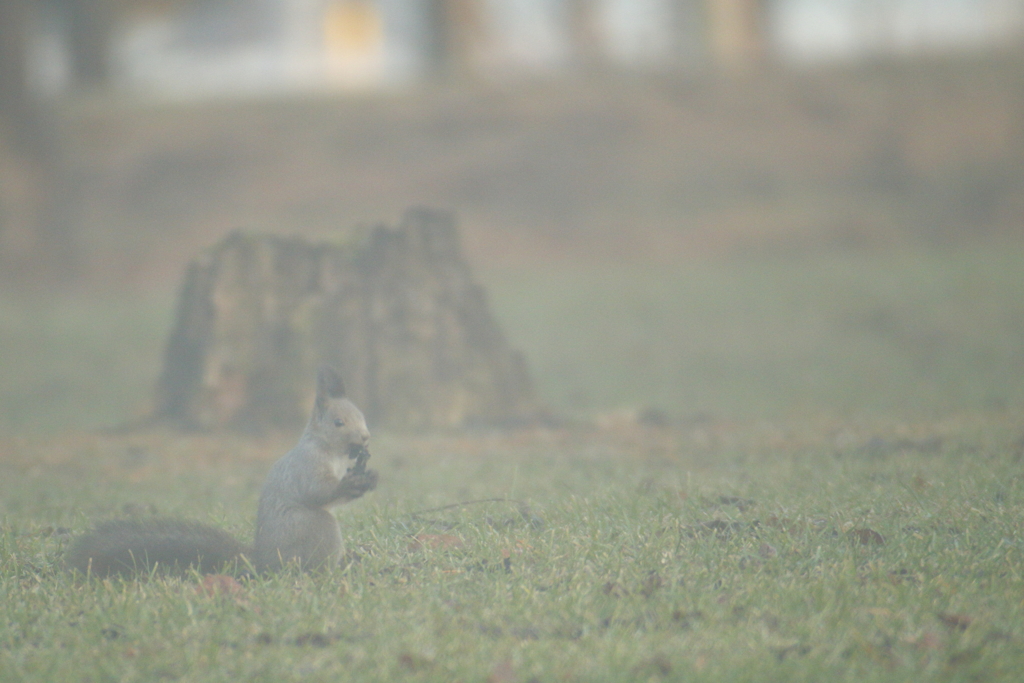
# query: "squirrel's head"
[336,420]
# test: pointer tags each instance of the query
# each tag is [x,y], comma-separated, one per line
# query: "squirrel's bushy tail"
[130,546]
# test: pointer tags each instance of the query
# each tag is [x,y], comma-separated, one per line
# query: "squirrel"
[294,523]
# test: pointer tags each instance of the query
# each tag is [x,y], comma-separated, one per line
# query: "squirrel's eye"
[339,423]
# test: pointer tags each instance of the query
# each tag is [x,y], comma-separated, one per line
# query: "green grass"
[641,556]
[913,333]
[841,498]
[908,333]
[77,361]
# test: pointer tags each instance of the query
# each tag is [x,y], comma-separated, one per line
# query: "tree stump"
[397,313]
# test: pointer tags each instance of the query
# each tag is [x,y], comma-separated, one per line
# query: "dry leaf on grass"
[435,541]
[214,585]
[502,672]
[958,622]
[867,537]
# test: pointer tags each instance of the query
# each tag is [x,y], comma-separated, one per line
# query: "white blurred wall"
[813,31]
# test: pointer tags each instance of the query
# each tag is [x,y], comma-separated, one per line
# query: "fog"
[728,209]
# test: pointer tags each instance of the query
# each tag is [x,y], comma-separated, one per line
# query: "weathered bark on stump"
[398,314]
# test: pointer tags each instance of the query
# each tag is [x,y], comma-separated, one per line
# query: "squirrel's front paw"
[355,485]
[369,480]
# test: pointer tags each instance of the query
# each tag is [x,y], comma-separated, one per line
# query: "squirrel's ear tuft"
[328,384]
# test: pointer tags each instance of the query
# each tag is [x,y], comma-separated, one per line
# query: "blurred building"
[197,47]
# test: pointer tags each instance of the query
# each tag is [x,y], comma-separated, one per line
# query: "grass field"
[905,334]
[912,334]
[723,553]
[838,494]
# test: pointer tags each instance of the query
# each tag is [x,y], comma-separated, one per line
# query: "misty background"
[718,209]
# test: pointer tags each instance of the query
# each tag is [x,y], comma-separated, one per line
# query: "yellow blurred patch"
[352,27]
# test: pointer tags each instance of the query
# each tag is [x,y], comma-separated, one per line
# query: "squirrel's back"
[139,545]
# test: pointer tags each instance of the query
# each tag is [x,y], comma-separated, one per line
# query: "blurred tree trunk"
[91,27]
[29,243]
[17,113]
[738,33]
[692,39]
[90,30]
[458,33]
[585,35]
